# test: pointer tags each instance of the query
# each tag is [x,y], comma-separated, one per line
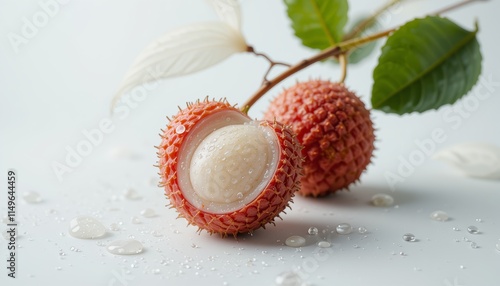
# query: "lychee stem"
[457,5]
[330,52]
[343,67]
[333,51]
[356,31]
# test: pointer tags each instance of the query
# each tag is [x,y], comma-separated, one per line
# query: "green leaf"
[318,23]
[424,65]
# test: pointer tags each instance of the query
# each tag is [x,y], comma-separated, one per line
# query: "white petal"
[228,11]
[183,51]
[474,159]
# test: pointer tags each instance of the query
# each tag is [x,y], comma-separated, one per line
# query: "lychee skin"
[335,129]
[271,201]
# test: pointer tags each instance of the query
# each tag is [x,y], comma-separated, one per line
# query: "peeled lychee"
[226,173]
[335,129]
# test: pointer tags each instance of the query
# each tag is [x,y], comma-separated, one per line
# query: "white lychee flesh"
[229,160]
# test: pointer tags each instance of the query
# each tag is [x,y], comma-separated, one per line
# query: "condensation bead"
[382,200]
[312,231]
[409,237]
[344,228]
[32,197]
[295,241]
[439,216]
[180,129]
[288,279]
[324,244]
[125,247]
[473,229]
[86,227]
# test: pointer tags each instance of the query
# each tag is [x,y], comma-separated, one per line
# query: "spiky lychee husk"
[263,209]
[335,129]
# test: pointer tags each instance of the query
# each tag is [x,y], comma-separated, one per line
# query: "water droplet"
[472,230]
[402,253]
[288,279]
[86,227]
[462,267]
[32,197]
[131,194]
[498,245]
[156,233]
[409,237]
[456,229]
[324,244]
[344,228]
[382,200]
[125,247]
[135,220]
[180,129]
[312,230]
[439,216]
[114,227]
[295,241]
[362,230]
[479,220]
[474,245]
[58,268]
[148,213]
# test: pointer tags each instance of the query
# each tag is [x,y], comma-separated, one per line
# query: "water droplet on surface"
[324,244]
[473,229]
[312,230]
[479,220]
[498,245]
[131,194]
[439,216]
[462,267]
[148,213]
[382,200]
[156,233]
[114,227]
[344,228]
[86,227]
[362,230]
[125,247]
[474,245]
[456,229]
[180,129]
[32,197]
[295,241]
[288,279]
[409,237]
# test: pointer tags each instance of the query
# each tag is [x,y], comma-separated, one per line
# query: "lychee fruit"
[335,129]
[226,173]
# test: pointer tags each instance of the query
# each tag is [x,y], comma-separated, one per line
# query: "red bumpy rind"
[335,129]
[263,209]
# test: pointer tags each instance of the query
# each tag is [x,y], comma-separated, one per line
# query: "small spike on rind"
[272,200]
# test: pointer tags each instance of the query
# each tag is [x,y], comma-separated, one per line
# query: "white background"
[61,82]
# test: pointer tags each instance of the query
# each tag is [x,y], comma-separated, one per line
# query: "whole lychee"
[335,129]
[226,173]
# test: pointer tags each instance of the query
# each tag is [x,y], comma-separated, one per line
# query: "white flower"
[188,49]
